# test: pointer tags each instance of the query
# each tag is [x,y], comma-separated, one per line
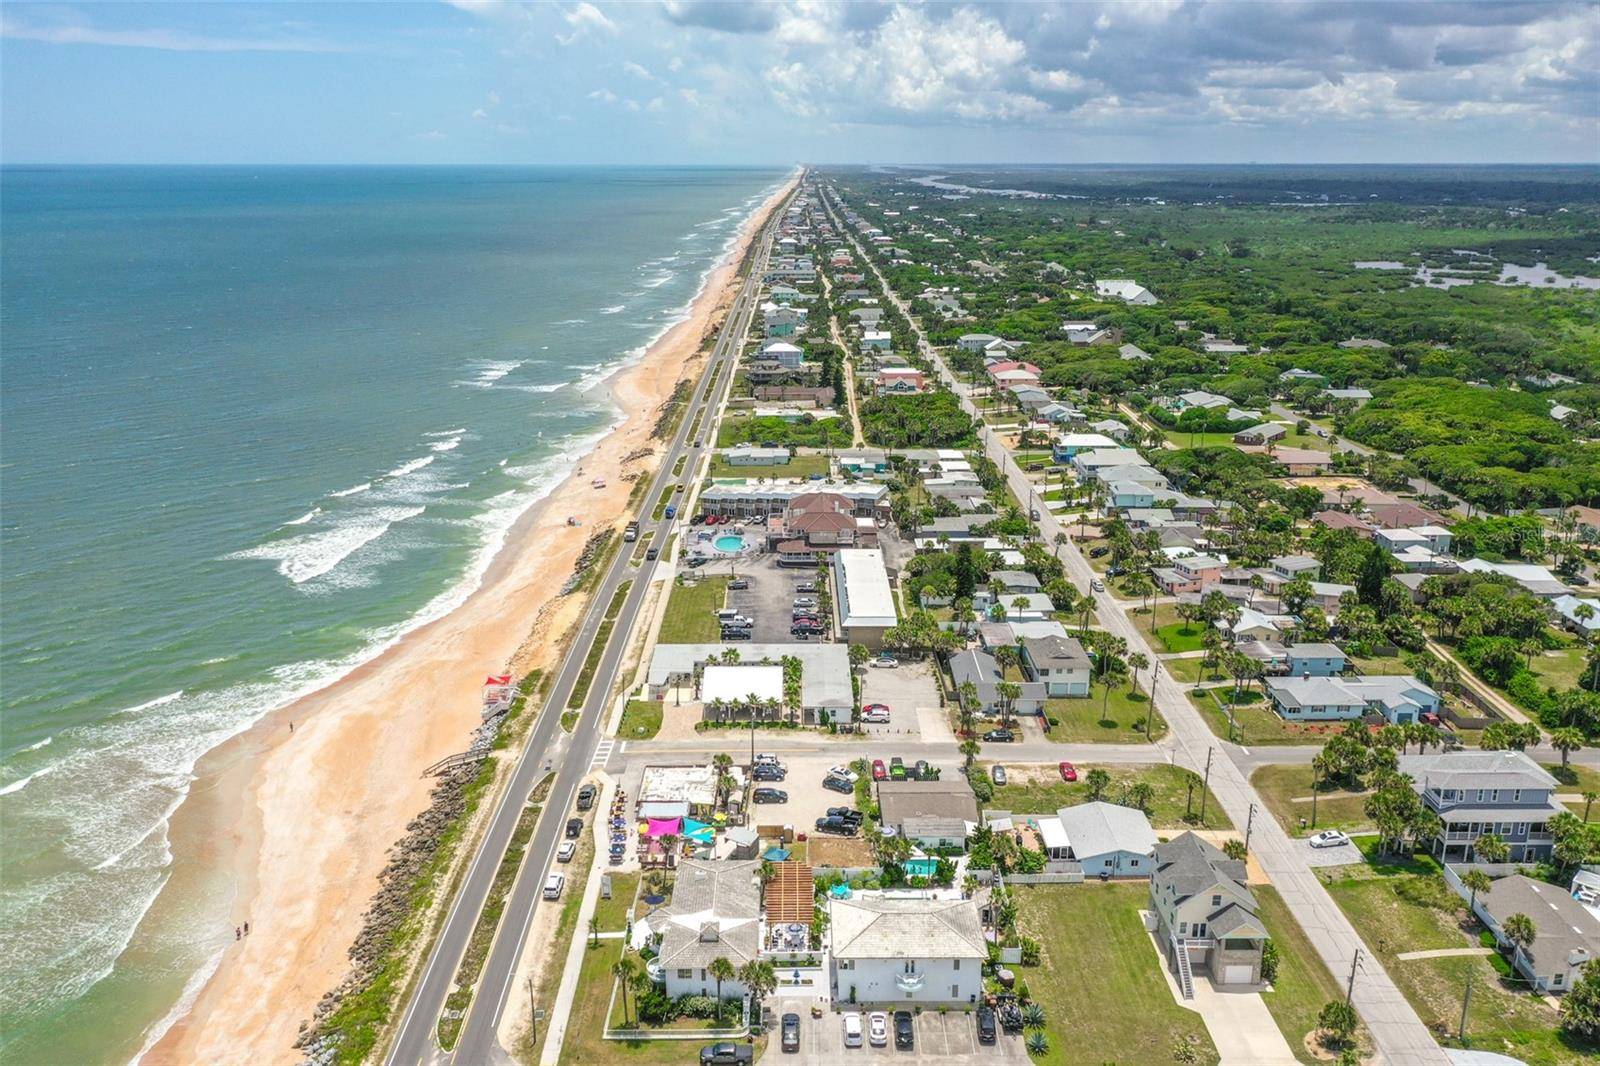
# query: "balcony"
[909,982]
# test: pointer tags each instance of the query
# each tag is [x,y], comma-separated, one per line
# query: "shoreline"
[351,767]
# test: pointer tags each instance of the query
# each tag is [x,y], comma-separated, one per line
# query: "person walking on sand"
[236,932]
[246,928]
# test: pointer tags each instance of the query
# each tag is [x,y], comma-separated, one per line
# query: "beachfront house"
[905,952]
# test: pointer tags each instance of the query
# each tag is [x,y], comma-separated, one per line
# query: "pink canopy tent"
[660,827]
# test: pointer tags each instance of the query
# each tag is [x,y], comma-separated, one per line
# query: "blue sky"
[682,81]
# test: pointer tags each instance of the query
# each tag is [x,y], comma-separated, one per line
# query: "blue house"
[1124,495]
[1315,660]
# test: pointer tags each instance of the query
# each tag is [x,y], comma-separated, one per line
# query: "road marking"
[602,753]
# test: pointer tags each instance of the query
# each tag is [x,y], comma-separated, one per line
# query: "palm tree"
[1098,781]
[594,931]
[623,970]
[758,977]
[1588,801]
[1136,662]
[1140,795]
[970,750]
[1491,848]
[1475,881]
[1520,930]
[669,847]
[1566,740]
[721,970]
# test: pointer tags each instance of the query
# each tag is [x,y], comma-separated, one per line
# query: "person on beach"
[236,932]
[246,928]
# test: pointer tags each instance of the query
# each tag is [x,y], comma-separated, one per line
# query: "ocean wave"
[659,280]
[159,701]
[310,556]
[303,519]
[408,468]
[363,487]
[446,445]
[446,432]
[36,745]
[570,322]
[614,309]
[22,782]
[556,386]
[491,371]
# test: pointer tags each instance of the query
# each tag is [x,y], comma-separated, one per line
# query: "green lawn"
[1560,668]
[797,466]
[1190,670]
[1255,723]
[1180,636]
[1081,721]
[1303,984]
[613,913]
[1167,806]
[1198,440]
[641,720]
[585,1043]
[1099,977]
[1280,786]
[1403,905]
[691,616]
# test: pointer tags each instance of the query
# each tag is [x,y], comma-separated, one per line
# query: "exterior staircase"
[1180,951]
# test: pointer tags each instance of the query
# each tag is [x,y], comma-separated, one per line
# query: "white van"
[727,614]
[852,1030]
[553,886]
[766,758]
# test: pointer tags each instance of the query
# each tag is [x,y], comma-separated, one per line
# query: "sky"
[685,81]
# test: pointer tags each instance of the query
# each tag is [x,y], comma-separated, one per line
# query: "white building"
[862,596]
[715,913]
[1103,838]
[1125,289]
[906,951]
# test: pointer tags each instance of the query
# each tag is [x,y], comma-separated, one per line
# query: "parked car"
[877,714]
[739,583]
[837,784]
[897,769]
[805,631]
[923,772]
[999,736]
[835,824]
[768,773]
[877,1028]
[1097,585]
[886,662]
[566,851]
[766,758]
[1069,772]
[732,633]
[806,586]
[574,827]
[879,772]
[904,1034]
[844,772]
[791,1033]
[997,773]
[770,795]
[1329,838]
[987,1029]
[849,814]
[697,519]
[727,1054]
[586,796]
[852,1030]
[809,602]
[1095,553]
[802,619]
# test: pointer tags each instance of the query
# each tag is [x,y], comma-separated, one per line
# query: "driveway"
[950,1037]
[1238,1021]
[1343,855]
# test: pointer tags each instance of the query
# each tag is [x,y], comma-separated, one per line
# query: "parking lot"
[769,598]
[911,694]
[808,800]
[950,1037]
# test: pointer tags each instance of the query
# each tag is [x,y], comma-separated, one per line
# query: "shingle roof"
[713,914]
[1057,653]
[1563,924]
[875,928]
[1476,769]
[1101,828]
[901,800]
[1190,864]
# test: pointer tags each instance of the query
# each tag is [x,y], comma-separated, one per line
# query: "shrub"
[1269,961]
[1030,951]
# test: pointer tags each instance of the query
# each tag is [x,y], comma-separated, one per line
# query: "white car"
[877,1028]
[1329,838]
[886,662]
[1097,585]
[566,851]
[877,717]
[852,1030]
[842,771]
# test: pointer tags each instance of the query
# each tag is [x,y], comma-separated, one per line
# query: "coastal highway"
[1395,1027]
[549,748]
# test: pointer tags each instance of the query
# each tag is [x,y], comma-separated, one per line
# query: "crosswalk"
[602,752]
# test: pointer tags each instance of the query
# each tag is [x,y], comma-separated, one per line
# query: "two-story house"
[906,951]
[1190,573]
[1059,662]
[1206,917]
[1315,660]
[1285,568]
[715,913]
[1478,792]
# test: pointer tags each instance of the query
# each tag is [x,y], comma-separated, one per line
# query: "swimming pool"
[921,867]
[728,542]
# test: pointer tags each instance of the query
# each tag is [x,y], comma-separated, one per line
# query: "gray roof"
[1058,653]
[1101,828]
[1014,579]
[932,827]
[1316,651]
[1190,864]
[713,914]
[1564,925]
[951,799]
[1476,769]
[824,668]
[1295,562]
[877,928]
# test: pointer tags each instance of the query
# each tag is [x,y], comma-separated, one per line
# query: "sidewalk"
[556,1023]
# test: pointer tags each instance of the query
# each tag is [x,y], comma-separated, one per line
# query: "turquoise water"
[729,542]
[922,867]
[256,423]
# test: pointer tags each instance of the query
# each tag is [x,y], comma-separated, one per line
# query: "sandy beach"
[302,822]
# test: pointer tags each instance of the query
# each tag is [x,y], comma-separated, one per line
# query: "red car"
[878,772]
[1068,772]
[712,519]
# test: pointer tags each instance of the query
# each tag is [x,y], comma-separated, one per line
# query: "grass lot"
[1099,978]
[1190,670]
[613,913]
[1577,779]
[1180,439]
[1304,983]
[1121,722]
[1281,785]
[585,1044]
[1400,905]
[1180,636]
[1559,668]
[1167,806]
[691,616]
[797,466]
[1378,665]
[641,719]
[1255,723]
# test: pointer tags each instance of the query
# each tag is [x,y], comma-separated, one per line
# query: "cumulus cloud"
[728,16]
[585,19]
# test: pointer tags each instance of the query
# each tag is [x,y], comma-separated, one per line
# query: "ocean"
[255,423]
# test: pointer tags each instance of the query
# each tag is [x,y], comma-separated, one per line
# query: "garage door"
[1236,975]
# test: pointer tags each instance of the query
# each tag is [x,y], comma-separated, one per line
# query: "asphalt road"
[1396,1029]
[549,747]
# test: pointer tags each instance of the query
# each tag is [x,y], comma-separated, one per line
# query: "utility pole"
[1461,1030]
[1249,823]
[1206,789]
[1350,989]
[533,1013]
[1149,708]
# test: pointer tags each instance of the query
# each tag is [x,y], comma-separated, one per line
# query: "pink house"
[900,379]
[1192,573]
